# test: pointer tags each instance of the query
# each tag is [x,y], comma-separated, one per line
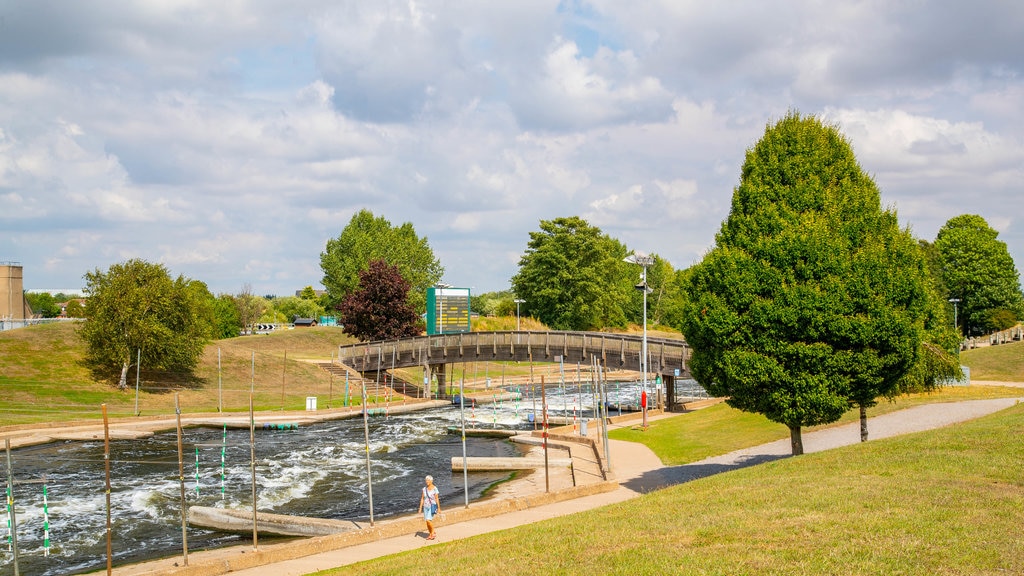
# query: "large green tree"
[812,298]
[572,276]
[367,238]
[977,269]
[136,308]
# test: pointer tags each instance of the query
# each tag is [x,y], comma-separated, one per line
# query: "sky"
[229,141]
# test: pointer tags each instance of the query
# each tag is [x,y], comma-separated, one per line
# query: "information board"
[447,310]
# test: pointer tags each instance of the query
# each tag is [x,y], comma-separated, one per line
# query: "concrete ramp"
[240,522]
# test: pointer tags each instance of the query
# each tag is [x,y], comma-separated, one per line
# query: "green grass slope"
[1003,363]
[948,501]
[43,377]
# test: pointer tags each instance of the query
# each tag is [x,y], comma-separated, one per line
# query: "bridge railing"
[614,350]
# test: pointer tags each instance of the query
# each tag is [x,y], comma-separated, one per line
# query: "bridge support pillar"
[441,370]
[670,391]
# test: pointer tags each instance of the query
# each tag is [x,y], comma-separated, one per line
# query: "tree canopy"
[367,238]
[135,307]
[977,269]
[572,276]
[379,309]
[813,298]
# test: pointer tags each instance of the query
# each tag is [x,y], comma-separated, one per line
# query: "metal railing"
[614,350]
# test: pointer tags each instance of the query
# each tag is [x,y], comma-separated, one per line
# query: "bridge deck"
[617,351]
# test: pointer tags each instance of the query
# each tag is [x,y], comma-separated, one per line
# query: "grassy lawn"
[720,429]
[44,378]
[1003,363]
[948,501]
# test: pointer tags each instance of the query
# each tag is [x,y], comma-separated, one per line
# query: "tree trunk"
[863,423]
[796,440]
[122,384]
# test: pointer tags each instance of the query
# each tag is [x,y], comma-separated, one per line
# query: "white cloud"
[230,141]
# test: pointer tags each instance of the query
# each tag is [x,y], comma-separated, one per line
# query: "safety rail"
[620,351]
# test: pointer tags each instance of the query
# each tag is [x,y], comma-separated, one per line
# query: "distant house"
[305,322]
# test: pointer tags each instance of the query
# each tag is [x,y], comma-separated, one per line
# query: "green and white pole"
[197,471]
[223,448]
[46,523]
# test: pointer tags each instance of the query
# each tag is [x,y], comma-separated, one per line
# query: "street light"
[955,301]
[518,301]
[643,260]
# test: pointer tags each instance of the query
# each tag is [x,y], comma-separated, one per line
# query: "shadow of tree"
[672,475]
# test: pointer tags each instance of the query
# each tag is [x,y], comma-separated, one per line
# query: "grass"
[720,429]
[44,378]
[947,501]
[1003,363]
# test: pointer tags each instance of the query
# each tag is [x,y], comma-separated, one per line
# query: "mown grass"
[947,501]
[1003,363]
[44,378]
[719,429]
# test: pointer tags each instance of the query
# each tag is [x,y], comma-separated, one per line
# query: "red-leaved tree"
[379,308]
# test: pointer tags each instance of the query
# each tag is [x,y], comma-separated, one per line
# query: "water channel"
[317,470]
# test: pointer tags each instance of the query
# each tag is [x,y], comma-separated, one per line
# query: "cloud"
[230,141]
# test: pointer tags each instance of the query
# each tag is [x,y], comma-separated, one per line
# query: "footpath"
[635,470]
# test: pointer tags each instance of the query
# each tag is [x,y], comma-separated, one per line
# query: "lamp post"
[955,301]
[518,301]
[644,261]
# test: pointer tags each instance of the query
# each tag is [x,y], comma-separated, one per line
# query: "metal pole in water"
[181,482]
[366,434]
[106,465]
[252,469]
[544,434]
[223,448]
[462,414]
[220,384]
[11,517]
[46,521]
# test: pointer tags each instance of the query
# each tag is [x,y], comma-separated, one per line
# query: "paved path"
[636,470]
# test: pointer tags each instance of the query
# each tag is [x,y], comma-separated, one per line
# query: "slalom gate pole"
[462,415]
[12,519]
[106,465]
[366,433]
[252,468]
[223,448]
[197,472]
[46,521]
[544,434]
[181,483]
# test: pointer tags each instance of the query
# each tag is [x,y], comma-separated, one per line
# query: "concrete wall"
[13,304]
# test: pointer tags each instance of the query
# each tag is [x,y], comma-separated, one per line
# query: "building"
[13,304]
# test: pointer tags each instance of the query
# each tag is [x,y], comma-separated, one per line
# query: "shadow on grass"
[664,477]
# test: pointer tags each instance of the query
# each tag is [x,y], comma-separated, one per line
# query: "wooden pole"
[106,465]
[181,483]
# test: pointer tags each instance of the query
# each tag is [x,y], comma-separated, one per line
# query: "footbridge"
[668,358]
